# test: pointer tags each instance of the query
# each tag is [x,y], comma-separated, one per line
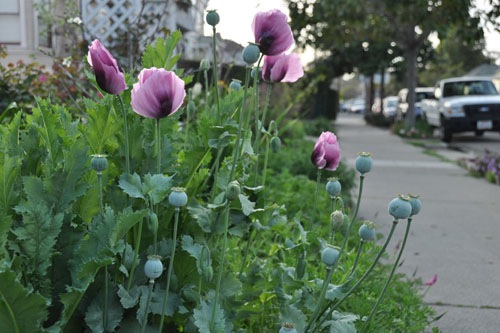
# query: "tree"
[407,24]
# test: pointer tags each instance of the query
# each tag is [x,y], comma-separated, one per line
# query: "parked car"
[421,93]
[463,104]
[390,107]
[357,105]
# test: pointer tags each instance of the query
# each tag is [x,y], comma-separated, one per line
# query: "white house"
[37,30]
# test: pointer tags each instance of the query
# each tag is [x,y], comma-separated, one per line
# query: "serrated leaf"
[38,234]
[131,184]
[20,310]
[94,316]
[232,286]
[291,314]
[201,215]
[156,187]
[71,300]
[160,54]
[126,220]
[102,127]
[130,298]
[203,318]
[247,206]
[9,173]
[342,323]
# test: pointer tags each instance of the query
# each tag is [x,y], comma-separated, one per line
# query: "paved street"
[457,233]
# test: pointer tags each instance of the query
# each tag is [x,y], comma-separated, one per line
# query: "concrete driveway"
[457,233]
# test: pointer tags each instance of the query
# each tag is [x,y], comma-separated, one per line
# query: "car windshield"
[424,95]
[465,88]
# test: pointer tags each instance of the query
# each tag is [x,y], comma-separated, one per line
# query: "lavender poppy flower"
[108,75]
[272,32]
[158,94]
[282,68]
[326,153]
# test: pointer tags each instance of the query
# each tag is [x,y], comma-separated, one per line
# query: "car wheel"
[446,133]
[479,133]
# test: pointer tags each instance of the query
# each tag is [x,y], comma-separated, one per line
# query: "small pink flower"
[282,68]
[431,281]
[108,75]
[272,32]
[158,94]
[326,152]
[42,78]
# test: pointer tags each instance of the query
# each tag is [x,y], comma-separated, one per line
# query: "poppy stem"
[158,145]
[125,132]
[216,74]
[396,263]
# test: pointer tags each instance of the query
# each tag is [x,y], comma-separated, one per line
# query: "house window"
[45,16]
[10,22]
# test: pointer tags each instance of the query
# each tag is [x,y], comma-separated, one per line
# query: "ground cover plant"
[162,210]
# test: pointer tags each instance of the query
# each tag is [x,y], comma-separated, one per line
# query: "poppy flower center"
[265,42]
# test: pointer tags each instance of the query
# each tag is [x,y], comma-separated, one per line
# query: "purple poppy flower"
[108,75]
[282,68]
[431,281]
[326,153]
[158,94]
[272,32]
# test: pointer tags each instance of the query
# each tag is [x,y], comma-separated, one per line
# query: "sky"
[236,20]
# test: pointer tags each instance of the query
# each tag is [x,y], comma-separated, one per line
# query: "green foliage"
[21,310]
[74,242]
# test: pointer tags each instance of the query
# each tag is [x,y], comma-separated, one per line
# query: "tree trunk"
[411,77]
[382,90]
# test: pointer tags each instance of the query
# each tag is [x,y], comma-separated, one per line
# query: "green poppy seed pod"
[333,187]
[400,207]
[153,222]
[287,328]
[367,231]
[235,85]
[178,197]
[337,220]
[416,204]
[233,190]
[300,271]
[207,272]
[153,267]
[364,162]
[99,162]
[204,65]
[212,18]
[329,255]
[275,144]
[251,54]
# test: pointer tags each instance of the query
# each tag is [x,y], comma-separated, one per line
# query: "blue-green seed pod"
[251,54]
[329,255]
[153,267]
[235,85]
[212,18]
[275,144]
[400,207]
[367,231]
[287,328]
[416,204]
[333,187]
[178,197]
[99,162]
[364,162]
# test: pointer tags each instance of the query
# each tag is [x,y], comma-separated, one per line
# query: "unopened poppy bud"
[275,144]
[287,328]
[204,64]
[233,190]
[153,222]
[337,219]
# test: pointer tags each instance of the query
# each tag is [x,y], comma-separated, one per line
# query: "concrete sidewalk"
[456,235]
